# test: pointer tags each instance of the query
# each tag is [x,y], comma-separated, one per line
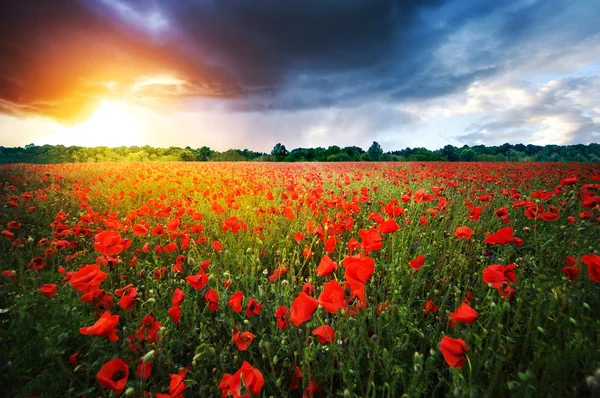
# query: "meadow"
[305,279]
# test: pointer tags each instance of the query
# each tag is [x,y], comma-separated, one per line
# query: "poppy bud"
[149,356]
[592,383]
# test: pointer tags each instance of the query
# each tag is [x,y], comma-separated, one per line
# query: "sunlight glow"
[113,124]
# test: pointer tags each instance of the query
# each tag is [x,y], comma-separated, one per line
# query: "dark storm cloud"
[56,56]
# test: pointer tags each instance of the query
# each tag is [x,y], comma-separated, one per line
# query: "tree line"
[507,152]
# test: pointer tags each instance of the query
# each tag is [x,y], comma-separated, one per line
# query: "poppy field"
[305,279]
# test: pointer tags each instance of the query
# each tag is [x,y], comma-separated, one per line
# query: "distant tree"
[365,157]
[187,155]
[450,153]
[467,155]
[279,152]
[203,154]
[375,151]
[343,157]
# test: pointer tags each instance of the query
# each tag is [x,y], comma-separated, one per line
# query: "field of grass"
[334,279]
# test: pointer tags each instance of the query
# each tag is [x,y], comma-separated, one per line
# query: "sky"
[306,73]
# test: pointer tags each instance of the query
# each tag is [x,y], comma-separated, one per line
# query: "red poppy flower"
[572,273]
[463,233]
[197,281]
[74,360]
[173,225]
[235,301]
[88,278]
[308,288]
[170,248]
[140,229]
[9,235]
[326,266]
[277,273]
[242,340]
[296,378]
[359,267]
[13,225]
[353,245]
[298,237]
[332,297]
[371,240]
[48,289]
[104,326]
[8,273]
[389,226]
[330,244]
[217,246]
[149,329]
[158,231]
[177,297]
[571,261]
[501,237]
[175,314]
[303,308]
[417,262]
[497,275]
[177,385]
[36,263]
[212,298]
[144,370]
[593,265]
[464,314]
[288,213]
[312,389]
[109,243]
[422,197]
[502,213]
[357,289]
[128,295]
[430,307]
[283,317]
[113,375]
[253,308]
[307,252]
[454,351]
[568,181]
[324,333]
[246,378]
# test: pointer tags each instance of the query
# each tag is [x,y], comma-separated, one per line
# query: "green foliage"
[513,153]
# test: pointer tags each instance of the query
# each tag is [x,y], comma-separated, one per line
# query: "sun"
[113,124]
